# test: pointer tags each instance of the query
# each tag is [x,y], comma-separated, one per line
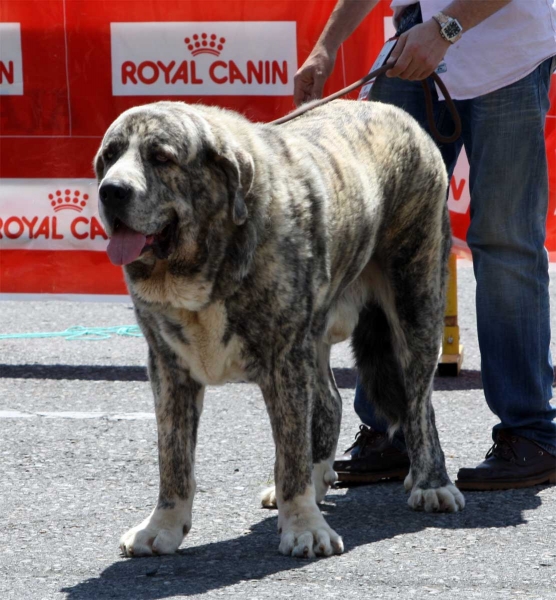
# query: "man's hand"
[418,52]
[308,83]
[345,18]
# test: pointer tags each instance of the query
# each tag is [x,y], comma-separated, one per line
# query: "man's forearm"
[348,15]
[470,13]
[344,20]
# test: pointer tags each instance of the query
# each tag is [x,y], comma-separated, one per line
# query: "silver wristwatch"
[450,28]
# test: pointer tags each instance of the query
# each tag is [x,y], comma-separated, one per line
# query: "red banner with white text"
[68,68]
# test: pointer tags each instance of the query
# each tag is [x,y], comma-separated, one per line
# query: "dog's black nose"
[115,196]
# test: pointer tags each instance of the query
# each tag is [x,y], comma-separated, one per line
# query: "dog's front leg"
[288,395]
[178,406]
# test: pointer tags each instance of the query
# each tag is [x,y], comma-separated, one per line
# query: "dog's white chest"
[199,340]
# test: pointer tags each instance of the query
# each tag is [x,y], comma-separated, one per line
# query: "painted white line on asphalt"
[138,416]
[134,416]
[14,414]
[70,415]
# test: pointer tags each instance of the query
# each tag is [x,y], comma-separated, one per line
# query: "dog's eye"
[109,154]
[161,158]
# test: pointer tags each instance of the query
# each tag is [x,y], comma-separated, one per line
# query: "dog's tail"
[381,351]
[378,351]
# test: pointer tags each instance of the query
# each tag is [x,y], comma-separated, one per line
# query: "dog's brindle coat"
[269,244]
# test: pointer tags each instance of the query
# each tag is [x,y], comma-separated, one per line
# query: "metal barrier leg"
[451,358]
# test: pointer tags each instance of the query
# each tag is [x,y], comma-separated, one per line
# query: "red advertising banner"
[68,68]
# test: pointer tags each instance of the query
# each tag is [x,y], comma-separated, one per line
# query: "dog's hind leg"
[419,276]
[428,481]
[289,393]
[396,345]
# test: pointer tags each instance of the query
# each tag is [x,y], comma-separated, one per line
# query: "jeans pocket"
[545,71]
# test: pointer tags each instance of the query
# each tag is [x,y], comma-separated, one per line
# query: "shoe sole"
[344,477]
[480,486]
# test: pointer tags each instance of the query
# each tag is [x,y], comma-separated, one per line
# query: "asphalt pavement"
[78,467]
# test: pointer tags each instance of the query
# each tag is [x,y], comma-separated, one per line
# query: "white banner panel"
[50,214]
[11,60]
[244,58]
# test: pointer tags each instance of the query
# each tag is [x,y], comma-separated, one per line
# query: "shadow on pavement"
[363,516]
[466,380]
[345,377]
[72,372]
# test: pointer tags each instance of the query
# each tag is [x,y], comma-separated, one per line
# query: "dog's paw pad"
[330,477]
[145,540]
[443,499]
[321,541]
[323,477]
[268,498]
[308,544]
[132,546]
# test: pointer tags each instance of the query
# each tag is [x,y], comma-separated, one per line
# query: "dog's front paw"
[310,540]
[161,533]
[304,531]
[144,540]
[443,499]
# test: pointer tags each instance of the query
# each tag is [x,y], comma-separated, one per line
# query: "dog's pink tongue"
[125,245]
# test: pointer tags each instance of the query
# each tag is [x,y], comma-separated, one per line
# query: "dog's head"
[164,175]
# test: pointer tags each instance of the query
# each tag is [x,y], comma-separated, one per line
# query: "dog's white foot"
[268,498]
[308,536]
[443,499]
[304,531]
[161,533]
[323,477]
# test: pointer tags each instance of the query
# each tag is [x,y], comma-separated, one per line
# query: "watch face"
[452,29]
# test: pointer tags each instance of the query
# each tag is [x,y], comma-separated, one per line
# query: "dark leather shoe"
[371,458]
[512,462]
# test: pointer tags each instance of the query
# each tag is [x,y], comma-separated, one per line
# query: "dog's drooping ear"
[98,165]
[240,169]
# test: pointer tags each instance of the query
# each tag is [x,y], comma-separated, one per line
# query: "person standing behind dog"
[497,56]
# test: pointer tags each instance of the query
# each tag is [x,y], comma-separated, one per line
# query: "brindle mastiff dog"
[249,250]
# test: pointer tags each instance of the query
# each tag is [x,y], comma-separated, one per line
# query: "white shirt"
[501,50]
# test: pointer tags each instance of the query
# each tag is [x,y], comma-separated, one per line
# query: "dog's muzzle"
[115,197]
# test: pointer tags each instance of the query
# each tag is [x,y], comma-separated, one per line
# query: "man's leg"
[504,138]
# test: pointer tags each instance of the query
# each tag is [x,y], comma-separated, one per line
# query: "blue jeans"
[503,135]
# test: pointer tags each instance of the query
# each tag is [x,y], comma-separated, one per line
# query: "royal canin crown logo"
[68,200]
[205,44]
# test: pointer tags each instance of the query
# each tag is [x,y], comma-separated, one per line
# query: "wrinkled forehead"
[181,130]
